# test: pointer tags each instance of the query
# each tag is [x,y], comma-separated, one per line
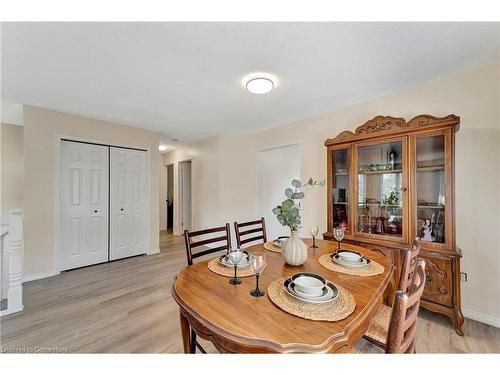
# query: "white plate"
[331,289]
[364,263]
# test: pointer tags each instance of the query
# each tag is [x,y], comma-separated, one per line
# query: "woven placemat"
[272,247]
[219,269]
[372,270]
[338,309]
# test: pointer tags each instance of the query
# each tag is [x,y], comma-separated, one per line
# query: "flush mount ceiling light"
[260,83]
[162,147]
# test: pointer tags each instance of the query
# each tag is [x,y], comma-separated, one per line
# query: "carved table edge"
[334,343]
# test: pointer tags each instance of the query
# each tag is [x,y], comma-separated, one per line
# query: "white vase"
[295,250]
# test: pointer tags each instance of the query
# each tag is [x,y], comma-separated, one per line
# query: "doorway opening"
[185,195]
[170,197]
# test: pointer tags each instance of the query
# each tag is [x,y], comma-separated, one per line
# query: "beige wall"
[42,129]
[12,169]
[473,95]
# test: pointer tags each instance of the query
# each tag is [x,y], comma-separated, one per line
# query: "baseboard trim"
[40,275]
[154,251]
[483,318]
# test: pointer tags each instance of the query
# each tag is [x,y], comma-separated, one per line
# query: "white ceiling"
[184,79]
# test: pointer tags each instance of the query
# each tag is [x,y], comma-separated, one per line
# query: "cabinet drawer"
[439,281]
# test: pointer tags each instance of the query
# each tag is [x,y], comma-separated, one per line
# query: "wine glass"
[235,256]
[314,230]
[338,233]
[257,263]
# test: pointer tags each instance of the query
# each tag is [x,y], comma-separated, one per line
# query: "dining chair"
[377,330]
[402,328]
[218,235]
[258,227]
[224,237]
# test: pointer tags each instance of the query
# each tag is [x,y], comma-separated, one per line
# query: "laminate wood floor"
[126,307]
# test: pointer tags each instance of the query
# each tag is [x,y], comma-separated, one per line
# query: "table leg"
[186,332]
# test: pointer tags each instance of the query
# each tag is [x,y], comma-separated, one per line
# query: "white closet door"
[128,203]
[84,204]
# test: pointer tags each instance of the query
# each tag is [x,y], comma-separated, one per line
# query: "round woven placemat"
[272,247]
[219,269]
[372,270]
[338,309]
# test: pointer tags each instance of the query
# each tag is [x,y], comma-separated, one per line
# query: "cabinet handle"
[95,211]
[121,209]
[404,189]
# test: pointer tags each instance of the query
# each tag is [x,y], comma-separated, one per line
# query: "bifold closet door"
[84,204]
[127,203]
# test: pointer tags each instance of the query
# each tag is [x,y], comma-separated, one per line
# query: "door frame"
[180,219]
[57,182]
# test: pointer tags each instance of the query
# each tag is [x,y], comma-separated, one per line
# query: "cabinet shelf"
[431,168]
[381,172]
[439,207]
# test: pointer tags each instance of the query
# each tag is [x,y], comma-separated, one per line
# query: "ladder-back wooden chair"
[219,235]
[403,325]
[401,332]
[259,228]
[224,237]
[377,330]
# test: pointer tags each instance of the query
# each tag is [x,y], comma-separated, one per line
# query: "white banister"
[13,258]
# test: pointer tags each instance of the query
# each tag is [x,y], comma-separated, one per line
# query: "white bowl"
[349,257]
[312,286]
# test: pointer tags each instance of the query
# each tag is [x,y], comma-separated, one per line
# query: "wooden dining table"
[236,322]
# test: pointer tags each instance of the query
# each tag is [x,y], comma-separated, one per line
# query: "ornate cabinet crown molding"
[389,124]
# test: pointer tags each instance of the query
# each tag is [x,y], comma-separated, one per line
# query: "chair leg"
[193,342]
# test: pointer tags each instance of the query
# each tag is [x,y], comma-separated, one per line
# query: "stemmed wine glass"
[257,263]
[235,256]
[338,233]
[314,230]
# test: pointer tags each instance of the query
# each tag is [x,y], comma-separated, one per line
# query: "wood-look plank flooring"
[126,307]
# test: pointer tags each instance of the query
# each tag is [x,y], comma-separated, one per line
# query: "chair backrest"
[403,324]
[408,265]
[191,243]
[241,231]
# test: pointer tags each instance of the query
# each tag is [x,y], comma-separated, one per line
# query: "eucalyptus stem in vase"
[294,250]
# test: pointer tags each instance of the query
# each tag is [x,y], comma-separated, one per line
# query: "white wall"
[472,95]
[42,128]
[12,169]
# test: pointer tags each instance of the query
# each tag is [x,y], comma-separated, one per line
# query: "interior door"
[128,203]
[84,204]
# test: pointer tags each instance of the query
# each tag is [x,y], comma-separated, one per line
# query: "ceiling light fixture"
[260,83]
[162,147]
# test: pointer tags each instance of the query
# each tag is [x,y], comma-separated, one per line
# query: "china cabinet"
[392,180]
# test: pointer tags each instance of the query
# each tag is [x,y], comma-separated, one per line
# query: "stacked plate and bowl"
[310,287]
[350,259]
[244,262]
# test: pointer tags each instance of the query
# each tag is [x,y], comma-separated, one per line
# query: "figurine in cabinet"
[427,231]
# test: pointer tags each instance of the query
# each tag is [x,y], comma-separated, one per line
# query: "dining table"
[236,322]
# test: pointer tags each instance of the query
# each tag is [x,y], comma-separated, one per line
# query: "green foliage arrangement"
[288,213]
[392,199]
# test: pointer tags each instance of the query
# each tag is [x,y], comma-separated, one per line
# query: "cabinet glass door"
[430,188]
[380,190]
[340,188]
